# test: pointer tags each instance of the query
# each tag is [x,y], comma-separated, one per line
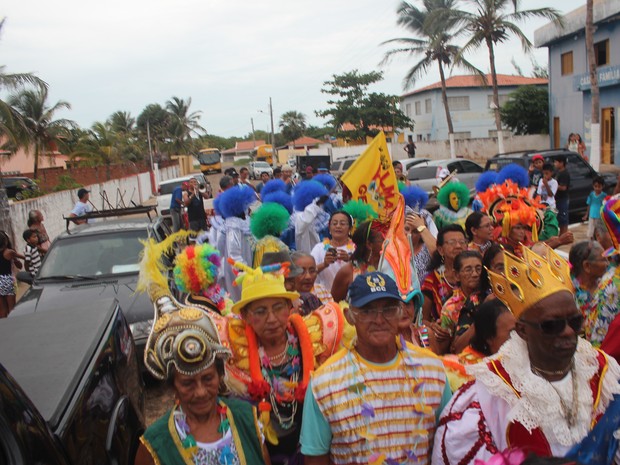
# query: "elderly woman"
[202,426]
[275,352]
[312,293]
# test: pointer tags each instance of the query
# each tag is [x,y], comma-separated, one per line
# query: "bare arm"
[341,283]
[143,456]
[316,459]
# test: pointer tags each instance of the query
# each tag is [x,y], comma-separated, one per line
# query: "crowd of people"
[297,342]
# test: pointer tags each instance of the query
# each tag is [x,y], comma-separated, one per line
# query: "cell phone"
[332,251]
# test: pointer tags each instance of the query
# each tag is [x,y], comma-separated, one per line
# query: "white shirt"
[542,191]
[81,209]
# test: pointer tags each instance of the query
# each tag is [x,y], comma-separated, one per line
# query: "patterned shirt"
[607,306]
[438,288]
[33,259]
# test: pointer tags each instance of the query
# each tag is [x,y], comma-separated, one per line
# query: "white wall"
[136,188]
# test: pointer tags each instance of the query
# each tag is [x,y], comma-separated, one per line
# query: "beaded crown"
[528,281]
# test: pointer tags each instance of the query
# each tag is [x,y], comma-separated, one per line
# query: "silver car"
[425,174]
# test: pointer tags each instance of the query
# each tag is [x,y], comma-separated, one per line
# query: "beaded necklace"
[349,246]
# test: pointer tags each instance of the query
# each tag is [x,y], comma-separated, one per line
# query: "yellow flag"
[372,179]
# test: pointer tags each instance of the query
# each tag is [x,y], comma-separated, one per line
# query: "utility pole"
[274,152]
[148,136]
[253,133]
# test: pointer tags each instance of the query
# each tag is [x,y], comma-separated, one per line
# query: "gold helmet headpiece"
[528,281]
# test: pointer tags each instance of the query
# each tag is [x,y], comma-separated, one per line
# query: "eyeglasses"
[555,327]
[277,310]
[453,242]
[471,269]
[339,223]
[369,314]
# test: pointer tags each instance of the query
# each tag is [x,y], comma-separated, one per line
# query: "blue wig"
[280,197]
[306,192]
[515,173]
[326,179]
[486,180]
[274,185]
[236,201]
[415,197]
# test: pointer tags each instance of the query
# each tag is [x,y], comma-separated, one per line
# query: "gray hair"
[297,255]
[581,252]
[225,182]
[599,227]
[33,215]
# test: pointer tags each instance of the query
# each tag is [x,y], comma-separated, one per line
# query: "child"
[31,252]
[8,259]
[547,186]
[595,200]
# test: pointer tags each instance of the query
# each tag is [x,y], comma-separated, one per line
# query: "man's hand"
[566,238]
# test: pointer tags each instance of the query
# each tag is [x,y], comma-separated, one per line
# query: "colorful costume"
[453,199]
[508,405]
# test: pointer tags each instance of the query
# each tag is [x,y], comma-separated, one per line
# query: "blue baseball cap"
[372,286]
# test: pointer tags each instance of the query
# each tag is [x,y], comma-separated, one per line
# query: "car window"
[99,254]
[577,167]
[422,172]
[169,187]
[469,167]
[335,165]
[347,164]
[498,163]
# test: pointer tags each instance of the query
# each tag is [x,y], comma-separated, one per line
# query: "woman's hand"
[413,221]
[343,255]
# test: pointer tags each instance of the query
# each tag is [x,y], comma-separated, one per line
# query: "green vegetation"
[527,111]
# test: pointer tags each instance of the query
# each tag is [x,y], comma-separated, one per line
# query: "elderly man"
[35,222]
[287,177]
[545,388]
[378,401]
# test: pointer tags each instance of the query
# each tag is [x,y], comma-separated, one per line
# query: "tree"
[355,105]
[490,25]
[182,124]
[157,119]
[527,111]
[435,31]
[293,125]
[595,127]
[122,122]
[39,129]
[99,146]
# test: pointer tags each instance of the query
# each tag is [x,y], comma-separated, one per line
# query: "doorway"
[608,124]
[556,132]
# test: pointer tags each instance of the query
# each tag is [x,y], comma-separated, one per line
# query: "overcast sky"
[229,56]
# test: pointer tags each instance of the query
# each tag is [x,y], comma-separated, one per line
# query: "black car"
[94,261]
[17,186]
[581,174]
[70,388]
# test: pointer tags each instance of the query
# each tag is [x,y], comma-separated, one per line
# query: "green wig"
[460,189]
[269,220]
[359,211]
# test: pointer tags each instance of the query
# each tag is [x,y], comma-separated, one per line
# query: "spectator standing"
[193,199]
[535,170]
[176,206]
[309,173]
[244,178]
[595,202]
[82,206]
[277,173]
[547,186]
[287,177]
[35,222]
[8,259]
[561,196]
[32,257]
[264,178]
[233,174]
[410,147]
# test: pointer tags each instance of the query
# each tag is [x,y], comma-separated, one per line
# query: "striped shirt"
[33,259]
[379,413]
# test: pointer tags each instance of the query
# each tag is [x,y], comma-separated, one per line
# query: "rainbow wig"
[281,198]
[269,220]
[460,189]
[306,192]
[236,201]
[516,173]
[326,179]
[415,197]
[275,185]
[486,179]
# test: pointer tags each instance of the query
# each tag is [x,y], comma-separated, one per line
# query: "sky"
[229,56]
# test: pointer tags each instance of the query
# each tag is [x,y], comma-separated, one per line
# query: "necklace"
[569,412]
[540,372]
[442,275]
[278,359]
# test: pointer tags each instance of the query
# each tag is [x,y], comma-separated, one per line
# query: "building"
[469,100]
[242,149]
[570,104]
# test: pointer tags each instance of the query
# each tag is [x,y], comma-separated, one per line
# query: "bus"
[210,161]
[263,153]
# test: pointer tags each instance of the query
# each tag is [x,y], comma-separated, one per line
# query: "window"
[470,167]
[601,52]
[408,109]
[502,100]
[458,103]
[567,63]
[428,137]
[428,108]
[419,138]
[418,108]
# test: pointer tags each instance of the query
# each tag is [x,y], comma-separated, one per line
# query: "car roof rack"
[121,209]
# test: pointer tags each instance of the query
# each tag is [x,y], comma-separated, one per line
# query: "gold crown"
[528,281]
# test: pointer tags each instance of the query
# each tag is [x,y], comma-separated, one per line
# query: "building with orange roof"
[469,100]
[242,149]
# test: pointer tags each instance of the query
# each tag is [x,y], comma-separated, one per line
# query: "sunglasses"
[555,327]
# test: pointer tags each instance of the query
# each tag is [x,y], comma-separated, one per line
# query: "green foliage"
[213,141]
[66,182]
[527,111]
[293,125]
[352,103]
[320,133]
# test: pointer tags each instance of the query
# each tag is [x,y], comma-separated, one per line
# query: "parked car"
[70,390]
[164,192]
[581,174]
[16,187]
[91,262]
[425,174]
[338,167]
[258,167]
[409,163]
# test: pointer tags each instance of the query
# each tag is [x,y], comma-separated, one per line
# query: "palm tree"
[491,24]
[122,122]
[99,146]
[39,131]
[434,31]
[293,125]
[183,124]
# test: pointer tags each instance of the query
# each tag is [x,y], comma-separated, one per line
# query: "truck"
[70,389]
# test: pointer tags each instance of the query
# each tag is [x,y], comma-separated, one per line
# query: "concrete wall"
[136,188]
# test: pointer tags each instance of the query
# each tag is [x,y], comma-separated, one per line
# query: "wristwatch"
[420,228]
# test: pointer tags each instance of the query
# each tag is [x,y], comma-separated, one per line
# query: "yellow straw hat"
[262,283]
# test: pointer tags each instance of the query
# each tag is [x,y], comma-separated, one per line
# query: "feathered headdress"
[306,192]
[460,189]
[516,173]
[236,201]
[415,197]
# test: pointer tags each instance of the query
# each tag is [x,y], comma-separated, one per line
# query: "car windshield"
[116,252]
[169,187]
[261,164]
[209,158]
[499,163]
